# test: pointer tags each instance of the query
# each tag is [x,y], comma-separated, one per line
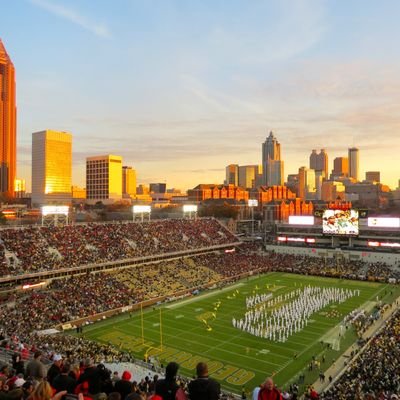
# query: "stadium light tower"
[252,203]
[55,215]
[141,211]
[188,209]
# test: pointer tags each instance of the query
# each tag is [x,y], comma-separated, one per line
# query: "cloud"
[219,101]
[154,148]
[285,28]
[72,16]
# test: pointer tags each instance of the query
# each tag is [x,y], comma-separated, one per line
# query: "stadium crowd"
[34,249]
[376,372]
[81,296]
[321,266]
[38,373]
[84,295]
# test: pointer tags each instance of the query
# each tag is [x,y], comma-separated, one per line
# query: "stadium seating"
[73,297]
[36,249]
[375,372]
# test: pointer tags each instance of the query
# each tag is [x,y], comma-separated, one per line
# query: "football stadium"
[314,306]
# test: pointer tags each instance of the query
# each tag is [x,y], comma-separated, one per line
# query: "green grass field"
[235,358]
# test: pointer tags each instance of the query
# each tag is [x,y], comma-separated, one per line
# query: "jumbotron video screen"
[340,222]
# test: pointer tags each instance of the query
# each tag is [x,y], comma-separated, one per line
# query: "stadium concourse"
[192,255]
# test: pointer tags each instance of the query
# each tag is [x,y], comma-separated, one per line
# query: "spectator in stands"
[55,368]
[268,391]
[168,387]
[14,394]
[4,371]
[91,377]
[3,385]
[115,377]
[35,368]
[43,391]
[18,364]
[124,385]
[64,381]
[27,389]
[255,393]
[204,387]
[153,383]
[115,396]
[18,381]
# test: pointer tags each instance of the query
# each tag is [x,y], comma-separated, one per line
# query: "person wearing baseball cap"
[55,368]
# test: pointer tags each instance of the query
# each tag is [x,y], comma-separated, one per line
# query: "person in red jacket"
[268,391]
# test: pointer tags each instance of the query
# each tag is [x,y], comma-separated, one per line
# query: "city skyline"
[187,90]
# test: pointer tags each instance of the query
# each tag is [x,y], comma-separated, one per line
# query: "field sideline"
[238,359]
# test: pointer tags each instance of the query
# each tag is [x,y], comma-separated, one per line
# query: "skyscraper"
[322,163]
[306,186]
[128,181]
[340,167]
[354,163]
[373,176]
[319,162]
[248,175]
[232,174]
[158,187]
[313,159]
[51,167]
[103,179]
[8,124]
[271,162]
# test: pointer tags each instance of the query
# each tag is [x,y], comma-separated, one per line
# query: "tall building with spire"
[8,124]
[271,162]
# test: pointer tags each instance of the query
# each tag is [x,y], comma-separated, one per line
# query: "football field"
[199,328]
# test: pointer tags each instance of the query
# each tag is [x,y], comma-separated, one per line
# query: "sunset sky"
[182,88]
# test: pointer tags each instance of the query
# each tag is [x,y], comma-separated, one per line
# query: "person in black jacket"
[124,385]
[18,364]
[91,375]
[64,381]
[167,388]
[55,368]
[203,387]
